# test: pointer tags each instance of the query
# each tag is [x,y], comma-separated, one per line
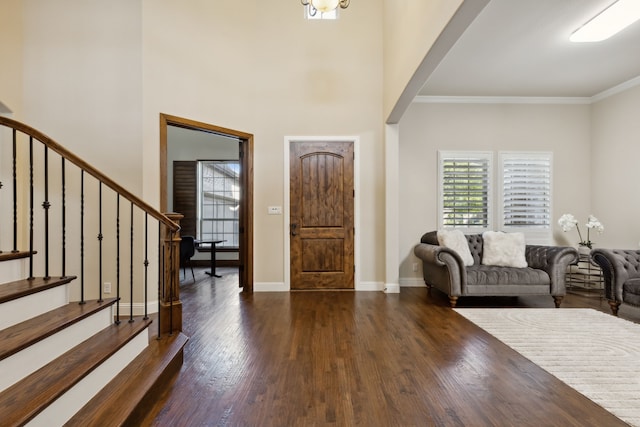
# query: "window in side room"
[218,201]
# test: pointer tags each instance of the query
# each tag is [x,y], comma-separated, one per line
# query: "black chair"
[187,250]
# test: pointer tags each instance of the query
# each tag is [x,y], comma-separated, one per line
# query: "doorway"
[245,203]
[322,214]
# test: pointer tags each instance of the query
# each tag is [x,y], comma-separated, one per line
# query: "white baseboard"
[270,287]
[138,308]
[412,282]
[370,286]
[281,287]
[391,288]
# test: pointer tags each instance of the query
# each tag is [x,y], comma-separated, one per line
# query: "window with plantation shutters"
[465,189]
[525,193]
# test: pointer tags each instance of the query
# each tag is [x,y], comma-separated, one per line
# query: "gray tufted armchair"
[621,271]
[443,269]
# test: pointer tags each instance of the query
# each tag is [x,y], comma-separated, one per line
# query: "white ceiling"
[522,48]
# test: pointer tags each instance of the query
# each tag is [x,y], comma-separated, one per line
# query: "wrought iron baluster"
[46,205]
[160,277]
[118,260]
[171,283]
[131,266]
[15,193]
[0,230]
[82,236]
[100,241]
[146,263]
[30,208]
[64,219]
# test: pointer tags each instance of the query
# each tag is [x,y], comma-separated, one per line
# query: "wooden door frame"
[246,183]
[287,201]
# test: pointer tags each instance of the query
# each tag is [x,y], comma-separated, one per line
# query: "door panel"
[322,232]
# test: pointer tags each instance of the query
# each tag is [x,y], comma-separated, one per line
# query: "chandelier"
[324,5]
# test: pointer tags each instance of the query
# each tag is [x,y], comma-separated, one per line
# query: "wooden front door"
[321,215]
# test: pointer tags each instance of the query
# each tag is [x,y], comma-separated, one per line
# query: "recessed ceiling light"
[610,21]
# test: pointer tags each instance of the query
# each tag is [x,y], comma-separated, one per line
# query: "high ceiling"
[522,48]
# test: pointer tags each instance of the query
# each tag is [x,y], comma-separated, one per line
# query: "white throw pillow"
[503,249]
[456,240]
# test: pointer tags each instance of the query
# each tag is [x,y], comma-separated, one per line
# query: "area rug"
[595,353]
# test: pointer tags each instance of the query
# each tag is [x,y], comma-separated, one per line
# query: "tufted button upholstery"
[443,268]
[621,271]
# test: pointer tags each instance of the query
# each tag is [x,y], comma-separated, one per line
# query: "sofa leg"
[557,300]
[614,307]
[453,301]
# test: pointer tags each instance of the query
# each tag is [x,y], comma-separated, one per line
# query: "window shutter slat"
[465,187]
[526,191]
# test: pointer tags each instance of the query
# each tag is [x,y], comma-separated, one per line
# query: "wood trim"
[68,155]
[246,197]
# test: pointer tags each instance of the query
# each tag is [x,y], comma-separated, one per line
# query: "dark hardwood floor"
[358,358]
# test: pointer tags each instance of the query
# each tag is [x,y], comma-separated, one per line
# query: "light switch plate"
[274,210]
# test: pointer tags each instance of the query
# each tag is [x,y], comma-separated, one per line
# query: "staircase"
[67,354]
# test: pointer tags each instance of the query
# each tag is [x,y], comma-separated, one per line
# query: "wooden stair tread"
[10,255]
[25,399]
[119,400]
[18,337]
[20,288]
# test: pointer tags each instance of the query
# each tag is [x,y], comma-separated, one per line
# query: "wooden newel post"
[170,304]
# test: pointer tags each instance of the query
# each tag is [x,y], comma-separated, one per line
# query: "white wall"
[615,169]
[11,37]
[261,68]
[82,81]
[427,128]
[98,74]
[410,29]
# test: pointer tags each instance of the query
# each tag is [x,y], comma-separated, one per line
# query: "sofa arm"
[442,267]
[554,260]
[617,265]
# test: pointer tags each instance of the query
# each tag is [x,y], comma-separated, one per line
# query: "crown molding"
[575,100]
[616,89]
[501,100]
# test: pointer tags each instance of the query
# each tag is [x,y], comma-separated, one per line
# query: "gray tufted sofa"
[443,268]
[621,271]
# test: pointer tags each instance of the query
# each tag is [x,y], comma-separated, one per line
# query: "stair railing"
[79,202]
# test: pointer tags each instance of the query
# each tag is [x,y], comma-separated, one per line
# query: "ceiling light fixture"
[619,15]
[324,5]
